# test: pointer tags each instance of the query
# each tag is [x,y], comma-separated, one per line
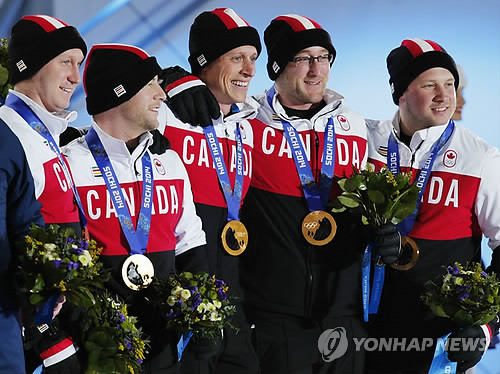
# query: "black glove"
[495,263]
[160,143]
[188,97]
[387,243]
[56,349]
[205,348]
[72,133]
[465,356]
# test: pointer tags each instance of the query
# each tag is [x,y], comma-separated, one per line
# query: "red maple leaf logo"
[450,156]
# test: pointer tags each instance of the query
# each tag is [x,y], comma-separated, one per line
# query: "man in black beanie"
[459,177]
[303,288]
[45,55]
[223,50]
[124,97]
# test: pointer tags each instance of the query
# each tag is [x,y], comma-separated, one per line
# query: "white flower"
[171,300]
[85,258]
[176,291]
[214,316]
[50,247]
[201,308]
[185,294]
[217,304]
[50,253]
[211,307]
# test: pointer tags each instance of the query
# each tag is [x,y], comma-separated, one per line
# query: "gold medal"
[137,272]
[407,242]
[234,237]
[319,227]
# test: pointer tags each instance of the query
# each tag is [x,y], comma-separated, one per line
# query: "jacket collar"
[55,122]
[116,149]
[430,134]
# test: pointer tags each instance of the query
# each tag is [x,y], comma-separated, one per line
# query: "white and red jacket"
[175,226]
[191,145]
[52,189]
[281,272]
[175,229]
[460,203]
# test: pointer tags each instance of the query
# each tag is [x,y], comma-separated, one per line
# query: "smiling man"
[299,284]
[122,181]
[459,176]
[45,55]
[223,51]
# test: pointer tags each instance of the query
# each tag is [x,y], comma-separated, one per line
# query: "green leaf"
[348,201]
[342,183]
[364,220]
[339,210]
[4,75]
[376,196]
[36,299]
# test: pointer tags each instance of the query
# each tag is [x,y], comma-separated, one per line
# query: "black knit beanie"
[411,59]
[114,73]
[35,40]
[217,32]
[287,35]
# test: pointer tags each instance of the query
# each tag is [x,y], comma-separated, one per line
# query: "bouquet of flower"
[113,343]
[55,262]
[194,302]
[380,197]
[465,293]
[4,72]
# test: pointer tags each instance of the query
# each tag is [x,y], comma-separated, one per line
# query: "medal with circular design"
[234,237]
[319,227]
[137,272]
[409,244]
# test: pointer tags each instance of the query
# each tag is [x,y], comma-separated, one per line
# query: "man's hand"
[56,349]
[467,345]
[387,243]
[188,97]
[160,143]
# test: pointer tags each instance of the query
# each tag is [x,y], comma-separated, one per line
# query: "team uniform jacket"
[52,189]
[281,272]
[18,209]
[461,201]
[191,145]
[175,227]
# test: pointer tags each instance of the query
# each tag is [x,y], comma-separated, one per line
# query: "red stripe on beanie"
[296,24]
[227,19]
[61,346]
[416,50]
[44,23]
[434,45]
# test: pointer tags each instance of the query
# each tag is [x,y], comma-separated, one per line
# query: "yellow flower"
[62,286]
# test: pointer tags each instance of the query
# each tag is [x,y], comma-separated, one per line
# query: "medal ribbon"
[316,197]
[232,196]
[36,124]
[183,342]
[405,227]
[440,362]
[137,239]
